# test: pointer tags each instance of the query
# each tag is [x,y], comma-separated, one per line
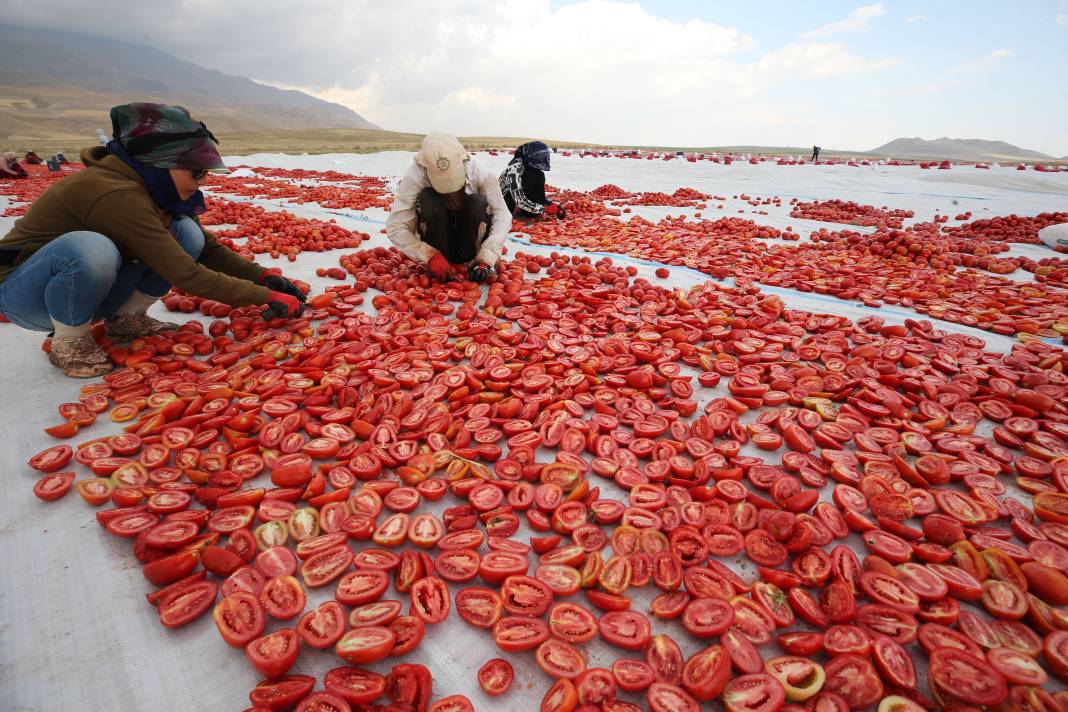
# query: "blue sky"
[850,75]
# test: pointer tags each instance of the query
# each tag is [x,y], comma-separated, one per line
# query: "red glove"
[281,305]
[438,266]
[551,210]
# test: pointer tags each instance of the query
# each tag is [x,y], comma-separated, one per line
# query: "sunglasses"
[199,174]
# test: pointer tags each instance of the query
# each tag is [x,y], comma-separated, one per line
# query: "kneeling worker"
[108,241]
[10,167]
[449,210]
[523,183]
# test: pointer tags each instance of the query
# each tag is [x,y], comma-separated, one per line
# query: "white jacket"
[400,226]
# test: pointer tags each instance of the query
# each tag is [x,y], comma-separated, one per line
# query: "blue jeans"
[80,277]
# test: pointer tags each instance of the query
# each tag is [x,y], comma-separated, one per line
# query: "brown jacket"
[108,197]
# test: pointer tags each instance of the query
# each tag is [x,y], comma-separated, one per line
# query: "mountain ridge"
[56,83]
[962,149]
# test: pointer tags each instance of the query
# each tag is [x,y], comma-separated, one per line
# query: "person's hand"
[281,305]
[438,266]
[478,271]
[280,284]
[552,210]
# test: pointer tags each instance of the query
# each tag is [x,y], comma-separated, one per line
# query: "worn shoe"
[80,357]
[127,327]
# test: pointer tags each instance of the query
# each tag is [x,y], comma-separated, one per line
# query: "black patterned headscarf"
[534,154]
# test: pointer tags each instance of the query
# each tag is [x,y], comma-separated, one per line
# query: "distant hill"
[958,149]
[58,86]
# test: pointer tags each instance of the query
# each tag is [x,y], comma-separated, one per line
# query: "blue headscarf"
[534,155]
[160,185]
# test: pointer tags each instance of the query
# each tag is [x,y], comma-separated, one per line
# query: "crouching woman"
[110,240]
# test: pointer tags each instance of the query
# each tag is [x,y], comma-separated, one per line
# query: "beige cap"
[443,158]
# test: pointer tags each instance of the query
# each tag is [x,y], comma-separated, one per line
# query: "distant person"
[523,183]
[10,166]
[33,159]
[815,153]
[110,240]
[449,210]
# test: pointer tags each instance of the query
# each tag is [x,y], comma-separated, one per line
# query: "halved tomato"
[322,626]
[239,618]
[273,654]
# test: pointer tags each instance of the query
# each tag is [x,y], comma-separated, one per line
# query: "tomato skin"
[323,702]
[632,675]
[966,677]
[706,673]
[517,633]
[283,597]
[663,697]
[1055,649]
[430,599]
[363,586]
[409,685]
[854,678]
[52,459]
[572,622]
[800,678]
[355,685]
[365,645]
[803,643]
[170,568]
[240,618]
[283,692]
[409,632]
[558,658]
[629,630]
[762,689]
[452,703]
[480,607]
[187,604]
[1046,582]
[707,617]
[273,654]
[496,676]
[561,697]
[322,626]
[53,486]
[893,663]
[220,561]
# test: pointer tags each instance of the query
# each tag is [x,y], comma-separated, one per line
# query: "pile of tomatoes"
[847,212]
[331,190]
[922,244]
[297,457]
[1007,228]
[681,198]
[23,191]
[276,232]
[915,267]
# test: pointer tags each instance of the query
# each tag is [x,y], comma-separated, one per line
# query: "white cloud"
[815,61]
[915,18]
[597,70]
[982,64]
[858,21]
[1062,19]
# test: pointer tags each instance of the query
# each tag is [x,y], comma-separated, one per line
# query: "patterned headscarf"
[534,155]
[164,136]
